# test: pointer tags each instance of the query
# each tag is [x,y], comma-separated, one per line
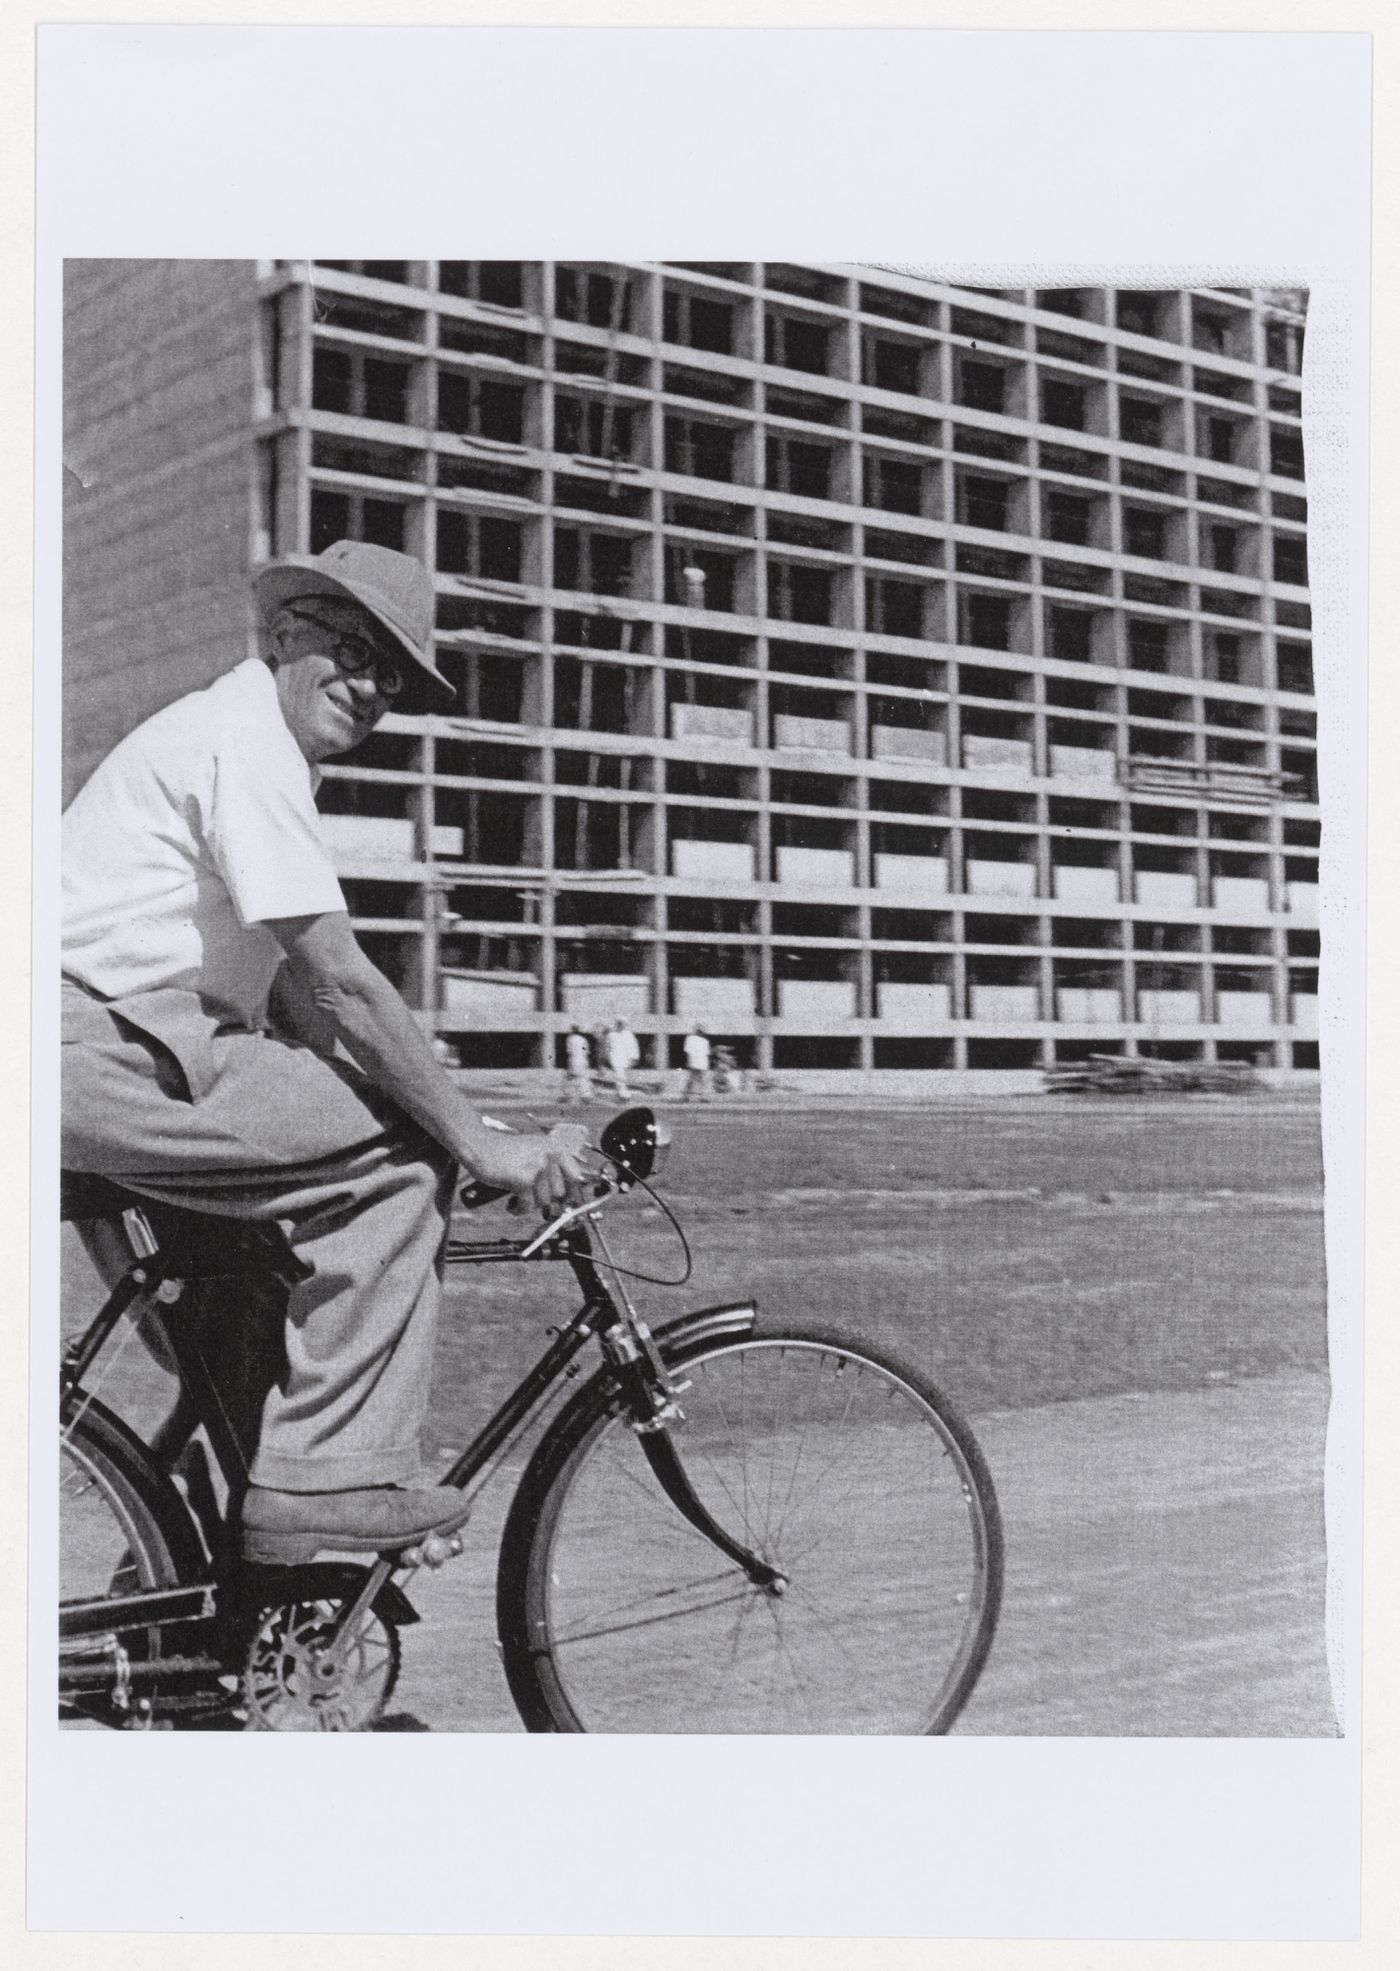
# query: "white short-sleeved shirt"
[194,831]
[697,1052]
[620,1048]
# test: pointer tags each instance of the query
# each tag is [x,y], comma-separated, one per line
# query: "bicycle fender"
[271,1587]
[737,1317]
[394,1605]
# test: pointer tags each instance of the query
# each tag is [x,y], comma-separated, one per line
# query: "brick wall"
[158,455]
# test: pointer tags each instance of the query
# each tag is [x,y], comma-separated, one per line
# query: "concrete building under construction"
[890,675]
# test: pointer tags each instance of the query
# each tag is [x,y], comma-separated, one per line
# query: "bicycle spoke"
[793,1546]
[792,1477]
[650,1595]
[713,1464]
[772,1431]
[650,1621]
[798,1682]
[831,1463]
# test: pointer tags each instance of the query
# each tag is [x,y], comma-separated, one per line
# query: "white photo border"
[1241,155]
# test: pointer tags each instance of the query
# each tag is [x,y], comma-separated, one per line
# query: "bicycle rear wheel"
[849,1473]
[113,1539]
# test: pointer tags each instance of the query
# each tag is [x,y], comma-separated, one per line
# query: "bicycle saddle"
[202,1245]
[82,1195]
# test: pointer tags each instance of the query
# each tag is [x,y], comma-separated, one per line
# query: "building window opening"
[800,1051]
[473,407]
[699,450]
[1071,301]
[798,594]
[698,322]
[1068,517]
[1295,667]
[585,295]
[791,343]
[1003,1054]
[982,386]
[1290,559]
[332,381]
[479,544]
[914,548]
[698,578]
[1224,548]
[1071,635]
[592,697]
[1145,533]
[499,282]
[898,307]
[1139,313]
[986,621]
[1225,661]
[330,519]
[1149,645]
[796,466]
[592,428]
[985,502]
[341,517]
[1139,422]
[893,485]
[1062,404]
[1220,440]
[1283,346]
[892,365]
[597,563]
[1210,330]
[894,608]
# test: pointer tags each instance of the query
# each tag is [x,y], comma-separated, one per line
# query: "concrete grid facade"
[890,675]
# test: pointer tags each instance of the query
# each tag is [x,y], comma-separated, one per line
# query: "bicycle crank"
[303,1671]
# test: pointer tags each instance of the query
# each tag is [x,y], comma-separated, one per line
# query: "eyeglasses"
[354,655]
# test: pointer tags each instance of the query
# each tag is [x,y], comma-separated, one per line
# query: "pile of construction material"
[1117,1074]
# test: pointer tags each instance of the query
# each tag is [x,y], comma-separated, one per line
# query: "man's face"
[332,667]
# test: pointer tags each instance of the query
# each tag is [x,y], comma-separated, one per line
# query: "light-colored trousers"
[159,1093]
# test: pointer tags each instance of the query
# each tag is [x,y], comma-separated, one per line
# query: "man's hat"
[395,589]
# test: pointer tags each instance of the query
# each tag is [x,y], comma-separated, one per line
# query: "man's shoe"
[285,1529]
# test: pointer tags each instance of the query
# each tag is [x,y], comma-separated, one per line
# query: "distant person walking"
[621,1054]
[726,1075]
[578,1068]
[696,1049]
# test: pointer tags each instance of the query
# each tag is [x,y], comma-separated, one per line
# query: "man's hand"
[544,1170]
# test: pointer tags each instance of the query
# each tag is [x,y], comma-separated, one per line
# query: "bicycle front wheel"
[849,1474]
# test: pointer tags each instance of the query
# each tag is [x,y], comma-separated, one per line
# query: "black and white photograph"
[696,1069]
[798,776]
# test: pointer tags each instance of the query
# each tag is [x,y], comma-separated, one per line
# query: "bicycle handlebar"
[632,1141]
[635,1145]
[473,1196]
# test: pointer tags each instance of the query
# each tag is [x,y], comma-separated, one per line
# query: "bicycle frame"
[631,1353]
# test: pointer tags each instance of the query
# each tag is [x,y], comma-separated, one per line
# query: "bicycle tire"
[121,1528]
[595,1633]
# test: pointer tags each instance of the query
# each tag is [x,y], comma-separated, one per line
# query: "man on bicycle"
[228,1046]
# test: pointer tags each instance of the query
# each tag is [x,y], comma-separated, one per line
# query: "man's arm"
[334,988]
[292,1004]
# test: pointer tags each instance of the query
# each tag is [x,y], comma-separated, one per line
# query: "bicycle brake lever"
[565,1218]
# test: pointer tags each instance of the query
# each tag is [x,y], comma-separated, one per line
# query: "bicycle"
[721,1529]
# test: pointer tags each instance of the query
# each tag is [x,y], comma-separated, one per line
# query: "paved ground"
[1165,1567]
